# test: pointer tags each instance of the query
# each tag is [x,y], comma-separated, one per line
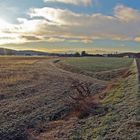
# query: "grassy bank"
[119,122]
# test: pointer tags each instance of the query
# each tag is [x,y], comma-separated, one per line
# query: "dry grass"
[12,68]
[32,89]
[109,125]
[82,101]
[103,75]
[32,92]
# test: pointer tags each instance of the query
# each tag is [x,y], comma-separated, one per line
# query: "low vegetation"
[105,69]
[82,100]
[120,122]
[40,101]
[99,64]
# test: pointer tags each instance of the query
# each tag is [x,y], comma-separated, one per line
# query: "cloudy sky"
[97,26]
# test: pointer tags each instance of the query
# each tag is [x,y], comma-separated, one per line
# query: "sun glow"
[63,26]
[3,24]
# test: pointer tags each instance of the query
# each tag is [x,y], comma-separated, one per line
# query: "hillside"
[118,118]
[38,101]
[4,51]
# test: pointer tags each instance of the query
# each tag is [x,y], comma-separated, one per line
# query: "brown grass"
[81,99]
[126,74]
[109,87]
[31,89]
[82,103]
[53,131]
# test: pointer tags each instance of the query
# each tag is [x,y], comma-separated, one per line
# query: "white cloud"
[67,23]
[126,13]
[137,39]
[59,25]
[75,2]
[29,26]
[57,16]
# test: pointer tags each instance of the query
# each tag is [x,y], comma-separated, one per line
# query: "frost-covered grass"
[97,64]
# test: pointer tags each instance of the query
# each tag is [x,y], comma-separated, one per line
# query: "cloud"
[55,39]
[10,39]
[33,38]
[94,26]
[74,2]
[58,16]
[62,25]
[137,39]
[126,13]
[19,33]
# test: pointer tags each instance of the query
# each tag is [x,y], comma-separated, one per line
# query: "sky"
[66,26]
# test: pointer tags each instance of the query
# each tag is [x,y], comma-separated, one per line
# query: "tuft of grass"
[82,101]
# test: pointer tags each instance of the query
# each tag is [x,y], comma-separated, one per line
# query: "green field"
[97,64]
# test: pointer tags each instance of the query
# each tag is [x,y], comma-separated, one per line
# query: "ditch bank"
[137,62]
[120,121]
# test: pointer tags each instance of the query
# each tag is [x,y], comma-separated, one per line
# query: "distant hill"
[4,51]
[30,52]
